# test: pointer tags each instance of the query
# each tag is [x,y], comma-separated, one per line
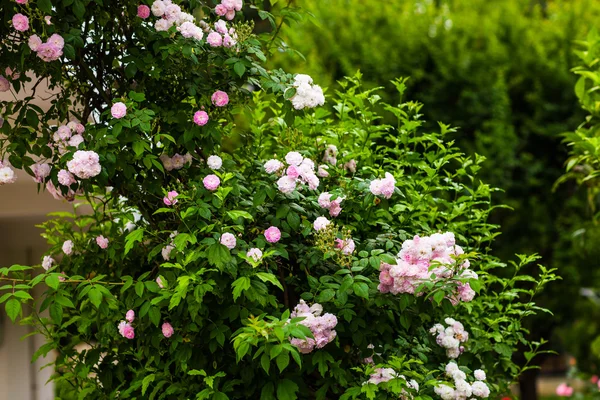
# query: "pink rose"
[4,84]
[130,316]
[143,11]
[34,42]
[47,19]
[126,330]
[102,242]
[220,98]
[215,40]
[273,234]
[221,10]
[200,118]
[228,240]
[211,182]
[118,110]
[21,1]
[20,22]
[564,390]
[171,198]
[167,330]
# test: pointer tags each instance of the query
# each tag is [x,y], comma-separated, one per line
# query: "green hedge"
[500,70]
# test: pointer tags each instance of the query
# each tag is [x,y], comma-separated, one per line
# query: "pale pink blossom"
[41,172]
[47,19]
[273,166]
[130,316]
[47,262]
[214,162]
[211,182]
[273,234]
[255,254]
[228,240]
[118,110]
[167,330]
[160,282]
[220,98]
[102,242]
[67,247]
[171,198]
[126,330]
[75,140]
[20,22]
[214,39]
[321,223]
[85,164]
[34,42]
[4,84]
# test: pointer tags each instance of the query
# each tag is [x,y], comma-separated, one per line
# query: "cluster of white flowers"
[450,337]
[300,170]
[307,95]
[462,389]
[172,15]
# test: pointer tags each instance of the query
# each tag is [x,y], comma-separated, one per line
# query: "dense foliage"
[244,242]
[583,166]
[501,72]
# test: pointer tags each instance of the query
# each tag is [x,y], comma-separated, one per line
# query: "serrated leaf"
[132,238]
[146,382]
[239,285]
[286,390]
[283,361]
[361,289]
[13,309]
[95,296]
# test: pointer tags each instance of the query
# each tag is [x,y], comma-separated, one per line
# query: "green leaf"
[267,277]
[56,313]
[361,289]
[268,392]
[286,390]
[218,254]
[52,281]
[13,309]
[139,288]
[239,68]
[235,214]
[325,296]
[78,9]
[265,362]
[294,220]
[95,296]
[283,361]
[239,285]
[154,314]
[146,382]
[132,237]
[439,296]
[45,6]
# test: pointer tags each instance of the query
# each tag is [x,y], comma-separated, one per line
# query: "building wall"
[21,208]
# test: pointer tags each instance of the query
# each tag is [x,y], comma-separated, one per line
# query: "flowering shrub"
[216,274]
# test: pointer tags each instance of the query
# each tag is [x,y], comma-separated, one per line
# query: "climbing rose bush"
[249,235]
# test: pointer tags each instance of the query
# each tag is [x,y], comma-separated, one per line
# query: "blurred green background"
[499,70]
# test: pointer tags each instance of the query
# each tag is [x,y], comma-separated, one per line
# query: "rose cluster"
[227,8]
[387,374]
[462,389]
[419,259]
[321,326]
[300,170]
[221,36]
[175,162]
[70,134]
[171,14]
[384,187]
[450,337]
[307,95]
[50,50]
[334,206]
[7,174]
[85,164]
